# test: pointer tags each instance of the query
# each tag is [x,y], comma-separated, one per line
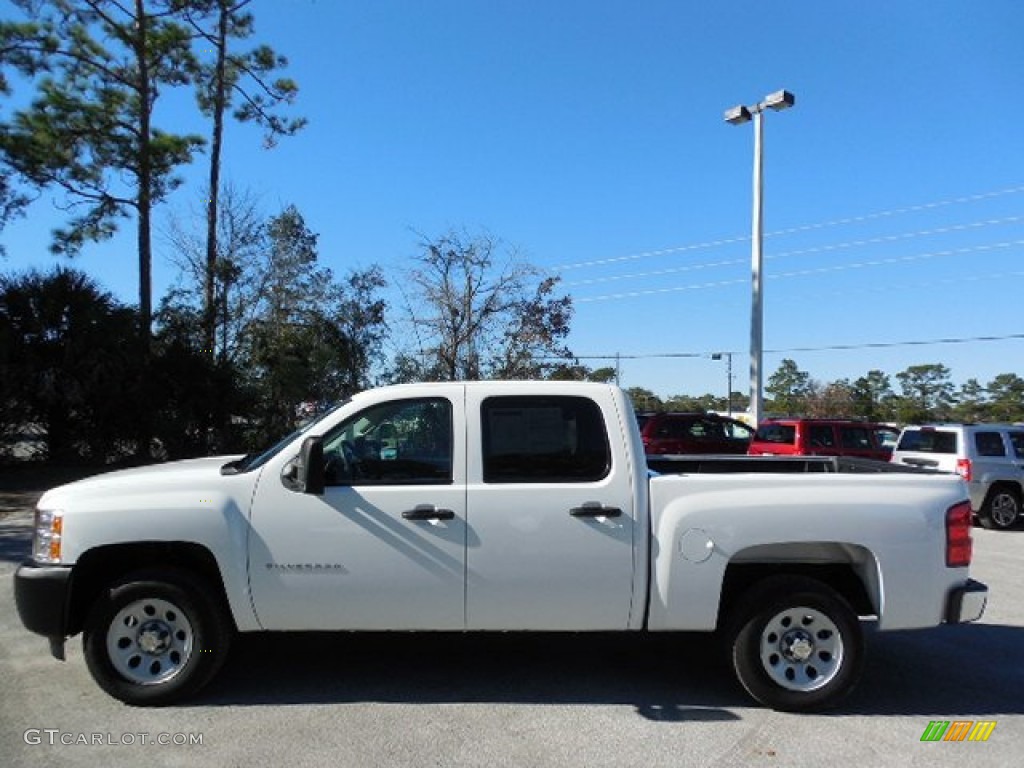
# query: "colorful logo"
[958,730]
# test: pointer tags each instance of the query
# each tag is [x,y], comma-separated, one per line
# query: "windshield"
[253,461]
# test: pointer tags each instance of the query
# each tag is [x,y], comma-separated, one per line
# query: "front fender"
[215,519]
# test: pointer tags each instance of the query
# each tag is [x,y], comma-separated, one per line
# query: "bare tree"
[478,311]
[240,273]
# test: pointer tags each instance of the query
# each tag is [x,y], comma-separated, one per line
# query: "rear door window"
[1017,441]
[544,440]
[821,436]
[705,430]
[989,444]
[855,438]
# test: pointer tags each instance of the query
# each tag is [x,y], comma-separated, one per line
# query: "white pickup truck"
[503,506]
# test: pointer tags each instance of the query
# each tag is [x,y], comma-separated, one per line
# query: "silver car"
[989,457]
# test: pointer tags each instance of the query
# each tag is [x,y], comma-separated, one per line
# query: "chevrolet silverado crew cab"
[503,506]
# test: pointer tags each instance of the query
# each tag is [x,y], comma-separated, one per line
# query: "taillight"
[963,468]
[958,535]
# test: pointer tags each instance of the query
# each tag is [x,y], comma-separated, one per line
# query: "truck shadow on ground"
[966,669]
[972,670]
[447,668]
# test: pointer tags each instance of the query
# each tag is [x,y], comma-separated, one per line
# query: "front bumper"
[41,595]
[966,603]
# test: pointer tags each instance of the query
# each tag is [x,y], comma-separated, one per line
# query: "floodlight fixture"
[737,115]
[779,100]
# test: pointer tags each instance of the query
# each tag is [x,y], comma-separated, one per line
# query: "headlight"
[46,542]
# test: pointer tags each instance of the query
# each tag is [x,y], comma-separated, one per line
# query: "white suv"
[990,457]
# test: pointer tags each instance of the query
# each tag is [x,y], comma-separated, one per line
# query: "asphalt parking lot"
[507,700]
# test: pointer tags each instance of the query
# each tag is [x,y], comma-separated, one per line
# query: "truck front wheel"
[796,644]
[154,638]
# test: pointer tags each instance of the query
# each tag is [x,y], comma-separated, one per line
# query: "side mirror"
[311,466]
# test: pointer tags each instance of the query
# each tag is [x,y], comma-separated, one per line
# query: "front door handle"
[428,512]
[595,510]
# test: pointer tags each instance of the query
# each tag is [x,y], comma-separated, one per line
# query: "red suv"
[824,437]
[665,433]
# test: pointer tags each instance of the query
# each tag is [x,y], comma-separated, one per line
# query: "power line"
[827,348]
[794,230]
[888,344]
[657,272]
[904,285]
[900,259]
[801,252]
[899,211]
[804,272]
[899,236]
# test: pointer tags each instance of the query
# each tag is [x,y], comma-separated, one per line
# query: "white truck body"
[479,544]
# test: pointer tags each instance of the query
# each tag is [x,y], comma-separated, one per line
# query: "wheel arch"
[100,567]
[851,570]
[1013,486]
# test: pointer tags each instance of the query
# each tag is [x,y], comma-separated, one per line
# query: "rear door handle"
[595,510]
[428,512]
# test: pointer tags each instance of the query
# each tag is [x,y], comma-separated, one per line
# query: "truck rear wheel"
[1001,510]
[154,638]
[796,644]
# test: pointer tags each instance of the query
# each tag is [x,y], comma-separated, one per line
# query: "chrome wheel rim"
[149,641]
[801,649]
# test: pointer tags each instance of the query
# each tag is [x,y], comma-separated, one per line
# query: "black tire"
[796,644]
[156,637]
[1001,510]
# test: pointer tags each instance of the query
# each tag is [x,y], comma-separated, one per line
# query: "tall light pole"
[735,116]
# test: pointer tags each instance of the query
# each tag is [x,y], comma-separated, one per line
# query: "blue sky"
[589,136]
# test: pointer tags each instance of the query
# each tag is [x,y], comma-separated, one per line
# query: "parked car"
[824,437]
[988,456]
[664,433]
